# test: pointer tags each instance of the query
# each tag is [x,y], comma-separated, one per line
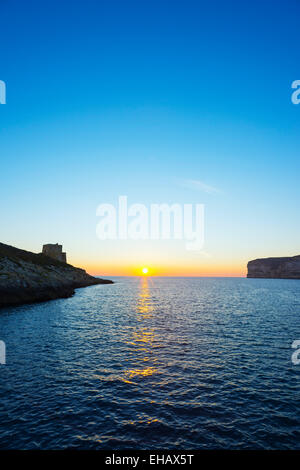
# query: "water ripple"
[164,363]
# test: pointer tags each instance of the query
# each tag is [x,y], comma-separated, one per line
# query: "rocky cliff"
[276,268]
[27,277]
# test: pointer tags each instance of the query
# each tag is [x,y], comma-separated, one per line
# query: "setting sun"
[145,270]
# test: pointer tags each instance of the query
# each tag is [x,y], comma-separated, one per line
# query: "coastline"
[27,277]
[286,267]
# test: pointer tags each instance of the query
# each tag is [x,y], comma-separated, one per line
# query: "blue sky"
[106,98]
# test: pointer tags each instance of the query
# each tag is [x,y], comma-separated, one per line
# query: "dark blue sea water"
[190,363]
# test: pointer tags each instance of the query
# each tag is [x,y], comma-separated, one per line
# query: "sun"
[145,271]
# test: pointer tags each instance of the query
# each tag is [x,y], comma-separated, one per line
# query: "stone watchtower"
[55,252]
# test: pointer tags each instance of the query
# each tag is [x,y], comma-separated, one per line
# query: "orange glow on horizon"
[201,269]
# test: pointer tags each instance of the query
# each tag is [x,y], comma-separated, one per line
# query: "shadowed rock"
[27,277]
[275,268]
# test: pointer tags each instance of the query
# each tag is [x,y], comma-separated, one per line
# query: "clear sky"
[138,98]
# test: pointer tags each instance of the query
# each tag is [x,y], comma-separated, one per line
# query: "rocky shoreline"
[27,277]
[275,268]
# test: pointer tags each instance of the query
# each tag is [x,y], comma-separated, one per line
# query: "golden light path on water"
[143,337]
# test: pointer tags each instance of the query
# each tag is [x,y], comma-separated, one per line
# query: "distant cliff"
[275,268]
[27,277]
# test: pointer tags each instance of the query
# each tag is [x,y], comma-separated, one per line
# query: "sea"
[154,363]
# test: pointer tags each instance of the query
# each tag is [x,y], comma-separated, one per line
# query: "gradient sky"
[109,98]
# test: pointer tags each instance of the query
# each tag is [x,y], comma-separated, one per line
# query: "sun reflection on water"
[145,306]
[143,337]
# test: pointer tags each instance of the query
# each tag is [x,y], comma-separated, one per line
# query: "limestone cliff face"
[27,277]
[276,268]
